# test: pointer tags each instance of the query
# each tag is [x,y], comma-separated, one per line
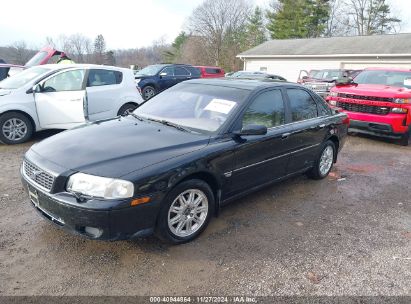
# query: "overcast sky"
[123,23]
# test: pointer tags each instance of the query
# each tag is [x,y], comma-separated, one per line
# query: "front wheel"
[324,161]
[405,139]
[126,109]
[15,128]
[185,212]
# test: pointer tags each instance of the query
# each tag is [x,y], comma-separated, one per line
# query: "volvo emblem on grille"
[34,174]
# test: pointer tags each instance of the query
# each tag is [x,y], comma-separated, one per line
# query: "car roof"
[245,84]
[53,67]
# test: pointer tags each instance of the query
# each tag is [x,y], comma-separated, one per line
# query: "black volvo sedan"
[171,164]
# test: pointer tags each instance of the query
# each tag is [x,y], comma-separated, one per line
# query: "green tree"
[297,18]
[255,29]
[174,54]
[99,49]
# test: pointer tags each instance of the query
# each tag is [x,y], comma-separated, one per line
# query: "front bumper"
[64,210]
[373,128]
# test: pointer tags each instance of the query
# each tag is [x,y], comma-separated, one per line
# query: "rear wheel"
[186,212]
[148,92]
[324,161]
[15,128]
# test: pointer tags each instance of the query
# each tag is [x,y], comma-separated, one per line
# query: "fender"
[10,107]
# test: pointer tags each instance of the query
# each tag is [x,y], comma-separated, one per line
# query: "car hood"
[4,92]
[374,90]
[116,147]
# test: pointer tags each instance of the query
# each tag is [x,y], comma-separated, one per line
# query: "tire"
[127,109]
[405,139]
[324,162]
[15,128]
[148,92]
[175,219]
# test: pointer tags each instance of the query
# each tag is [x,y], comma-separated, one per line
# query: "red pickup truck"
[377,101]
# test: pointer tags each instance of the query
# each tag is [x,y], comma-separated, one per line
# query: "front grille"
[315,86]
[364,97]
[352,107]
[38,176]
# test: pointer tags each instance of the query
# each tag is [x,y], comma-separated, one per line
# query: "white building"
[287,57]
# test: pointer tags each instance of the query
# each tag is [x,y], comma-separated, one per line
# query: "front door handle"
[285,135]
[78,99]
[321,126]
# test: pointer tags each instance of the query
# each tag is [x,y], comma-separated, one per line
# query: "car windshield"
[327,74]
[199,107]
[390,78]
[151,70]
[21,79]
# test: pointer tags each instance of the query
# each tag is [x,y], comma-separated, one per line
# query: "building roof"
[393,45]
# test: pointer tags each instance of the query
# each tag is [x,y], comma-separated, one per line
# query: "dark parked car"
[156,78]
[170,165]
[256,75]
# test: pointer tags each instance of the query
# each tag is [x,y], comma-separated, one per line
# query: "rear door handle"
[78,99]
[285,135]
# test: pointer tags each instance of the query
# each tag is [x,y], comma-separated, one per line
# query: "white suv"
[63,96]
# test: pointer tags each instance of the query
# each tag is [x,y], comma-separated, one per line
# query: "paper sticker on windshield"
[220,105]
[407,82]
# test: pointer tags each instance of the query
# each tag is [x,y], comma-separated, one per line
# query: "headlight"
[333,94]
[102,187]
[137,80]
[399,110]
[402,100]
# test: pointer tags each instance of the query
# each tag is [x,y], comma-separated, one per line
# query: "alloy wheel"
[188,213]
[326,160]
[14,129]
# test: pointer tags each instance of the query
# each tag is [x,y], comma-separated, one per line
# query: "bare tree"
[21,53]
[220,22]
[361,17]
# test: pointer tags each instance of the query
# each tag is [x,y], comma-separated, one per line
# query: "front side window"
[103,77]
[267,109]
[302,105]
[66,81]
[169,71]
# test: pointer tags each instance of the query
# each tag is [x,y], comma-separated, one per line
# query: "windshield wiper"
[170,124]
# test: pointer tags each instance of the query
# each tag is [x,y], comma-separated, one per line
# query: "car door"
[181,74]
[260,159]
[103,93]
[309,129]
[167,78]
[60,100]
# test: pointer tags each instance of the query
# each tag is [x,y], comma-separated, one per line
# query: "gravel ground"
[349,234]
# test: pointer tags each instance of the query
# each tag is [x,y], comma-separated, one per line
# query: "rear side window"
[267,109]
[104,77]
[212,71]
[302,105]
[322,107]
[179,71]
[196,72]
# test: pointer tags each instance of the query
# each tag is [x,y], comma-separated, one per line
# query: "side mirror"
[34,89]
[304,77]
[163,74]
[252,130]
